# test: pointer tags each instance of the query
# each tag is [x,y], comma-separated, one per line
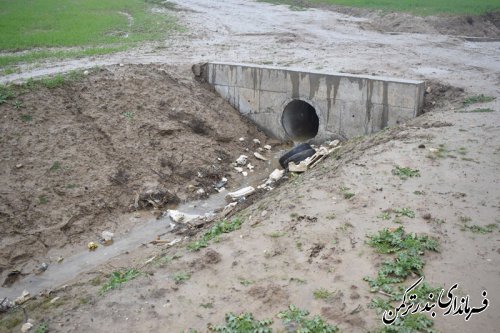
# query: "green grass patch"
[477,99]
[118,278]
[299,320]
[405,173]
[181,277]
[96,26]
[417,7]
[214,233]
[477,229]
[346,193]
[323,294]
[244,323]
[408,250]
[482,110]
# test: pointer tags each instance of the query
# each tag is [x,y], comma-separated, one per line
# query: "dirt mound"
[122,138]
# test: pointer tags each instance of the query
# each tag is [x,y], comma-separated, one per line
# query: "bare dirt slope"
[75,157]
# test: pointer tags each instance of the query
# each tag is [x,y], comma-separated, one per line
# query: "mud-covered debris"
[243,192]
[92,246]
[259,156]
[228,208]
[40,269]
[256,141]
[221,183]
[268,147]
[25,296]
[276,175]
[12,277]
[107,237]
[242,160]
[180,217]
[155,198]
[5,304]
[26,327]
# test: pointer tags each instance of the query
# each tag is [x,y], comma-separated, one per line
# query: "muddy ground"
[122,139]
[303,235]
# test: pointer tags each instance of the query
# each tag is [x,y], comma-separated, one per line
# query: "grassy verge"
[418,7]
[97,26]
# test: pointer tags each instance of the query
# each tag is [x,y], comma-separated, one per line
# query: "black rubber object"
[297,158]
[293,151]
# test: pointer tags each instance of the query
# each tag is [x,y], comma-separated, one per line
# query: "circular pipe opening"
[300,120]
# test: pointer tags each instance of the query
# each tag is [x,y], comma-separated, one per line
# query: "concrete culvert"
[300,120]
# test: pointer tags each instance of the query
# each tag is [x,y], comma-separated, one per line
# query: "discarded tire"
[293,151]
[297,158]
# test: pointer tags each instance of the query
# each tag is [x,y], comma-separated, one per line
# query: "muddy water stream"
[58,274]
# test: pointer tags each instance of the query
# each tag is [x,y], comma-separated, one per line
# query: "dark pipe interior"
[300,120]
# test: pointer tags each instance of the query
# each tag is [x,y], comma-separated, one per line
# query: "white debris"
[23,298]
[259,156]
[244,173]
[175,241]
[19,166]
[276,175]
[334,143]
[260,149]
[301,167]
[242,139]
[256,141]
[178,217]
[55,299]
[250,167]
[85,72]
[107,236]
[121,65]
[222,189]
[242,160]
[241,192]
[239,169]
[268,147]
[26,327]
[200,191]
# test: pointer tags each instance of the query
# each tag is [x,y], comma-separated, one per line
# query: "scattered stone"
[421,146]
[264,213]
[92,246]
[242,160]
[242,139]
[221,183]
[85,72]
[26,327]
[25,296]
[259,156]
[200,191]
[268,147]
[191,188]
[256,141]
[228,209]
[59,260]
[121,65]
[250,167]
[241,192]
[239,169]
[180,217]
[19,166]
[244,173]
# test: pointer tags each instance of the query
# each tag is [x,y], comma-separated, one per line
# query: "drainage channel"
[59,274]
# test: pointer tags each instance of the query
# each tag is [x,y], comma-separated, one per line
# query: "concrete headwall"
[346,105]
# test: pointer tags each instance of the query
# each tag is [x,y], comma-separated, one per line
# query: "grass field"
[418,7]
[99,26]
